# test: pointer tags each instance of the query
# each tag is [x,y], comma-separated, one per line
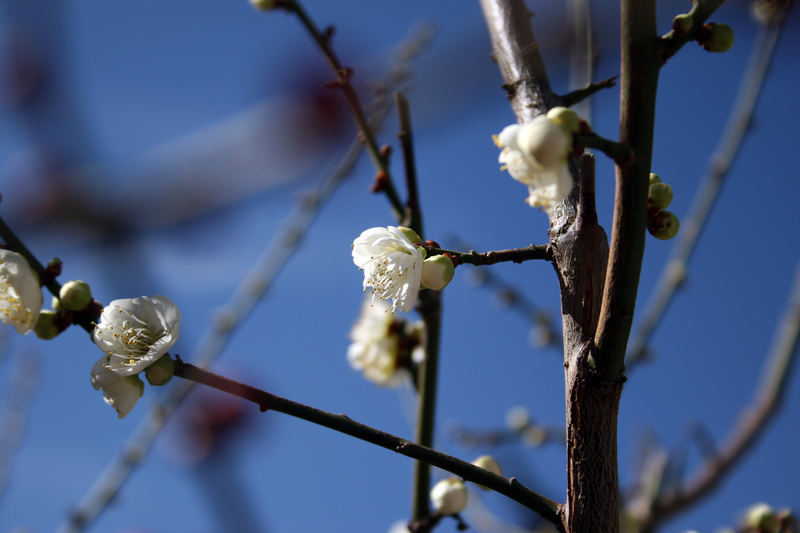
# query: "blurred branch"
[412,217]
[582,56]
[752,422]
[515,255]
[249,292]
[672,41]
[511,488]
[674,273]
[343,76]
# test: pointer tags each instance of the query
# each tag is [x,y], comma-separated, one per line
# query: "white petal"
[20,292]
[120,392]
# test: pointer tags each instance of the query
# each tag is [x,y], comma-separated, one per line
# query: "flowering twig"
[343,75]
[674,273]
[578,95]
[673,41]
[511,488]
[752,422]
[515,255]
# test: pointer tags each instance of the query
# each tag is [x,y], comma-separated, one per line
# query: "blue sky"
[144,76]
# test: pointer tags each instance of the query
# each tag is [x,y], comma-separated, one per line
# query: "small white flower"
[377,343]
[136,332]
[120,392]
[535,154]
[20,292]
[449,496]
[391,263]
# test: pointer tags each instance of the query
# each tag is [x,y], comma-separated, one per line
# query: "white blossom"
[391,263]
[20,292]
[136,332]
[120,392]
[449,496]
[377,344]
[535,154]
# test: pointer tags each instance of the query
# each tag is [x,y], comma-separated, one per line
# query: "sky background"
[156,147]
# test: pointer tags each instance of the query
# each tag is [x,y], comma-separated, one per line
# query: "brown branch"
[578,95]
[618,152]
[545,507]
[412,217]
[673,41]
[752,422]
[515,255]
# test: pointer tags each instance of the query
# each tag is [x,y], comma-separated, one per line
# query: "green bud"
[160,372]
[682,24]
[46,327]
[263,5]
[410,234]
[664,225]
[654,178]
[660,195]
[437,271]
[762,518]
[720,38]
[75,295]
[56,304]
[566,118]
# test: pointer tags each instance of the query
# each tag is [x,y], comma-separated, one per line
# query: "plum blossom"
[20,292]
[120,392]
[392,264]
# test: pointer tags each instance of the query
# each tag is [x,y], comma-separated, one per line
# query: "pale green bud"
[75,295]
[263,5]
[410,234]
[437,271]
[487,462]
[682,24]
[664,225]
[160,372]
[762,518]
[566,118]
[45,327]
[660,195]
[449,496]
[56,304]
[721,38]
[654,178]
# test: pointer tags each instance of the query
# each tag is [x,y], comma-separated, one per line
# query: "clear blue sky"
[142,75]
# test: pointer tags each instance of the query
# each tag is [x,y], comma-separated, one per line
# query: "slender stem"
[546,507]
[413,213]
[638,83]
[618,152]
[342,75]
[579,95]
[720,162]
[672,42]
[752,422]
[516,255]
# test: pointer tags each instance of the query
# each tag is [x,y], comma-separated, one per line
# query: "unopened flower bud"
[654,178]
[762,518]
[682,24]
[664,225]
[718,37]
[55,303]
[660,195]
[75,295]
[566,118]
[544,141]
[487,462]
[46,327]
[263,5]
[160,372]
[518,418]
[410,234]
[449,496]
[437,271]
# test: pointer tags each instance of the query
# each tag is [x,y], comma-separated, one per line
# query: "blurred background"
[158,147]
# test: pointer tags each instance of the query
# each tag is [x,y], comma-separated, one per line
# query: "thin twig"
[618,152]
[514,255]
[579,95]
[672,41]
[674,273]
[250,290]
[546,507]
[752,422]
[412,213]
[343,78]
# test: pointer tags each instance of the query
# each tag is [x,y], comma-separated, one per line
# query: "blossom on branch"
[535,154]
[392,264]
[135,332]
[120,392]
[20,292]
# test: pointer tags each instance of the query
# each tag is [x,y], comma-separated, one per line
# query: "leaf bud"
[716,37]
[660,195]
[437,271]
[682,24]
[46,327]
[75,295]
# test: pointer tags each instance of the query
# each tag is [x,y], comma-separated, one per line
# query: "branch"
[545,507]
[752,422]
[413,214]
[343,75]
[518,57]
[672,42]
[515,255]
[720,162]
[618,152]
[578,95]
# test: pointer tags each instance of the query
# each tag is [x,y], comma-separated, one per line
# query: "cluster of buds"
[712,36]
[661,224]
[74,297]
[762,518]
